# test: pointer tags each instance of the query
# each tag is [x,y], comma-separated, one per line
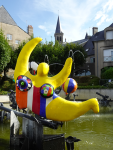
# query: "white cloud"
[103,15]
[98,15]
[48,33]
[108,6]
[103,19]
[42,27]
[75,16]
[109,19]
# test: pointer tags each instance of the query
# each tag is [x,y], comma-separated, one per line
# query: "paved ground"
[4,99]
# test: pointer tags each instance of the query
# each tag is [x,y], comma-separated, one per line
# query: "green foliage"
[92,87]
[14,56]
[5,51]
[94,80]
[87,80]
[110,84]
[7,85]
[107,73]
[3,92]
[57,53]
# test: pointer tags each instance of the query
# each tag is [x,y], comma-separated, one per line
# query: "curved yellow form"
[42,70]
[23,59]
[55,107]
[63,110]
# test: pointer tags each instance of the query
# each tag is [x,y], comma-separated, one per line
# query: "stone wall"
[85,94]
[91,93]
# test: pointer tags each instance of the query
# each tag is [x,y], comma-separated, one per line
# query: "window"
[57,38]
[60,38]
[87,49]
[9,37]
[111,55]
[83,73]
[17,42]
[92,59]
[109,35]
[108,55]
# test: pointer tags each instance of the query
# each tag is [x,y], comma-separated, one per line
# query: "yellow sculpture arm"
[61,77]
[23,59]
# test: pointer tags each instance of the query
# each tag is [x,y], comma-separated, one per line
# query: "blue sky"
[76,16]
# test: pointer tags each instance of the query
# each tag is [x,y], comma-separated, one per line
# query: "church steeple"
[58,32]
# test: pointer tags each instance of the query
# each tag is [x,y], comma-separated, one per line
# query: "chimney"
[95,30]
[30,30]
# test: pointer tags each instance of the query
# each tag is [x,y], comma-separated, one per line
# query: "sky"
[76,16]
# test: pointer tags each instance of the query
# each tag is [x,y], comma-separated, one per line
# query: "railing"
[108,58]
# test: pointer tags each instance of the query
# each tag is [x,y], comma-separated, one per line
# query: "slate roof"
[80,41]
[58,27]
[89,46]
[5,17]
[87,36]
[111,25]
[99,36]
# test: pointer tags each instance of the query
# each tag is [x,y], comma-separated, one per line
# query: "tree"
[14,55]
[5,51]
[57,53]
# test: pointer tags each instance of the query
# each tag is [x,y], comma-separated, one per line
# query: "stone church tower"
[58,33]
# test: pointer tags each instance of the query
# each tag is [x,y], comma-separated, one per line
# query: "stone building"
[12,31]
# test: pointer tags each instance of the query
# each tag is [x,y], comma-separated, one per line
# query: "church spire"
[58,32]
[58,27]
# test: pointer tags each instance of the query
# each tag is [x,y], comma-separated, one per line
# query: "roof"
[111,25]
[89,46]
[80,41]
[58,26]
[5,17]
[99,36]
[87,36]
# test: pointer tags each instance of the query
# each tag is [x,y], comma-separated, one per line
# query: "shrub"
[108,73]
[8,85]
[93,80]
[84,79]
[87,80]
[83,84]
[110,84]
[92,87]
[3,92]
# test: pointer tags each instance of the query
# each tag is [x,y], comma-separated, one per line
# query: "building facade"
[12,31]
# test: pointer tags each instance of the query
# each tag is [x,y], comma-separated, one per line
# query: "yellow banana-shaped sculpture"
[37,92]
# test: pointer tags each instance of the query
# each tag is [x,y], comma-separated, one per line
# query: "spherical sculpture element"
[46,90]
[69,86]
